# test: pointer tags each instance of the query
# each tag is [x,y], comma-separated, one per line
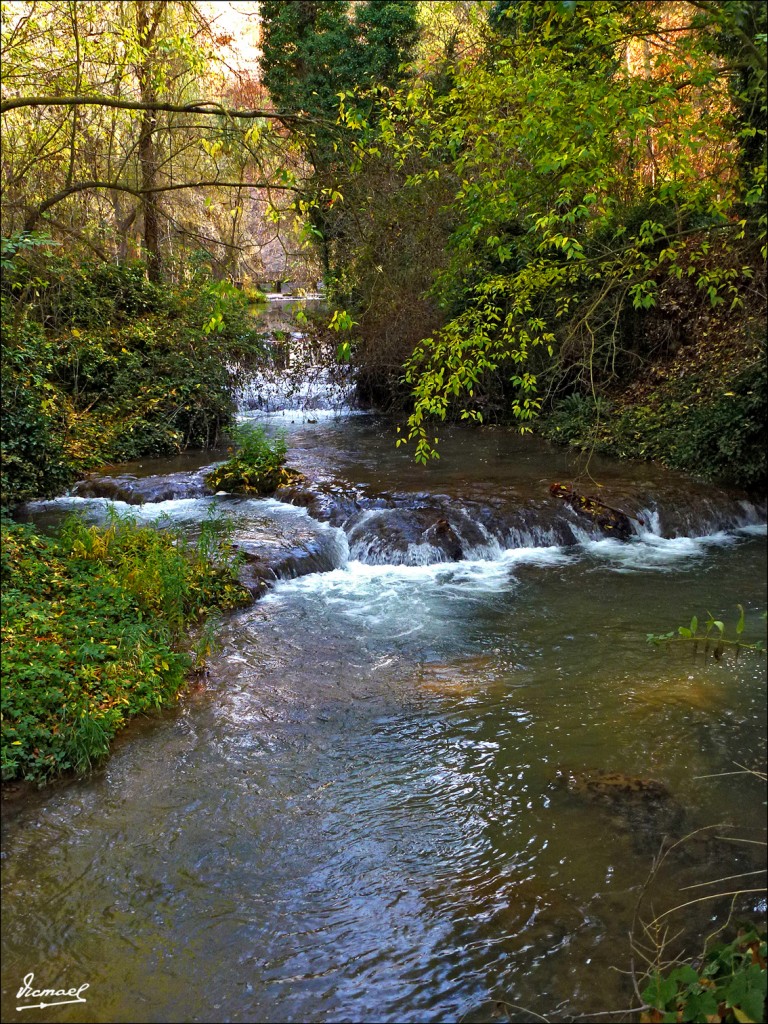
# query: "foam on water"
[406,597]
[652,552]
[417,600]
[400,601]
[90,508]
[754,530]
[283,417]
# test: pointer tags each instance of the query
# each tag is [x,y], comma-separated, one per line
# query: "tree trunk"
[147,21]
[148,161]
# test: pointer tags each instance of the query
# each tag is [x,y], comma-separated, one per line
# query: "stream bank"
[699,406]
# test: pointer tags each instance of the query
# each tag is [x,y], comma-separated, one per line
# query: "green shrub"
[34,459]
[93,626]
[252,294]
[712,429]
[258,466]
[101,366]
[725,438]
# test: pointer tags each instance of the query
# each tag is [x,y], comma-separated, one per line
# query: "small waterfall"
[300,373]
[422,530]
[420,536]
[708,515]
[304,387]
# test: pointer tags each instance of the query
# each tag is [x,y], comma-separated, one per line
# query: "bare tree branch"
[204,107]
[81,186]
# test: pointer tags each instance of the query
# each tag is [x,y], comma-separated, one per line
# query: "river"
[388,801]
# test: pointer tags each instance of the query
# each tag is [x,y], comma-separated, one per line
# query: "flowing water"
[361,816]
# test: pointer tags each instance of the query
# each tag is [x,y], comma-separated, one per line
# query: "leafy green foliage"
[586,174]
[103,179]
[93,622]
[703,412]
[258,465]
[313,55]
[728,984]
[20,241]
[314,51]
[34,457]
[711,635]
[100,366]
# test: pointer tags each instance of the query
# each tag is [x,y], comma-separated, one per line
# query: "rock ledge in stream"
[135,490]
[269,554]
[642,807]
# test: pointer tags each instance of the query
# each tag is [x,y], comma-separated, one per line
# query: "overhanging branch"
[204,107]
[82,186]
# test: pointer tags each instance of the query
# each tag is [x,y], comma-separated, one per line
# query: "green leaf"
[685,974]
[699,1005]
[742,1017]
[659,992]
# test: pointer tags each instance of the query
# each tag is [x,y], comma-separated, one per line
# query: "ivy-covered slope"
[700,406]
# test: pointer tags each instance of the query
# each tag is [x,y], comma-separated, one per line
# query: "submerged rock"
[599,784]
[643,807]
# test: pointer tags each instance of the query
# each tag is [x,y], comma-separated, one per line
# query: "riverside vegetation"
[93,625]
[573,213]
[257,466]
[101,365]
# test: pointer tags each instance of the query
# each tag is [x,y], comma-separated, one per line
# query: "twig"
[514,1006]
[752,771]
[730,839]
[722,928]
[719,775]
[511,1006]
[609,1013]
[725,878]
[703,899]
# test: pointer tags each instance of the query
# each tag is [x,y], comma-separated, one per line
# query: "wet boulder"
[613,522]
[270,550]
[135,490]
[442,536]
[330,501]
[413,535]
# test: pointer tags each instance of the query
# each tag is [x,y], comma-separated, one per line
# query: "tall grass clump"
[257,466]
